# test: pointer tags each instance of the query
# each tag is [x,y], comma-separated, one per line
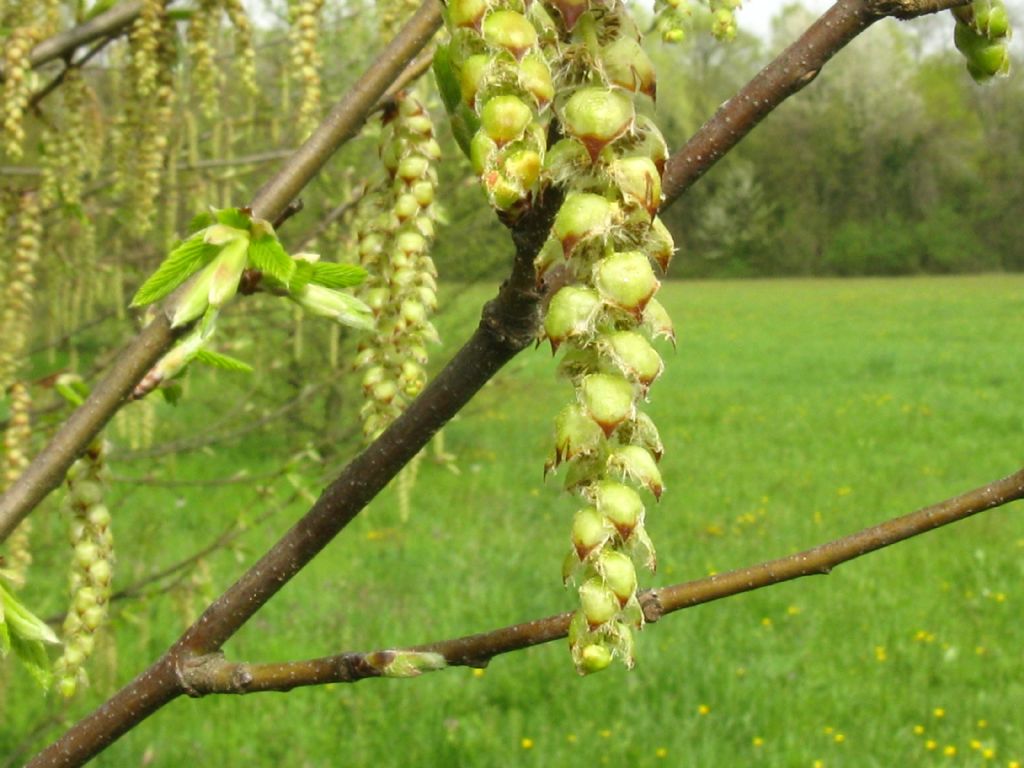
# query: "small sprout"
[635,356]
[405,663]
[628,66]
[535,77]
[639,181]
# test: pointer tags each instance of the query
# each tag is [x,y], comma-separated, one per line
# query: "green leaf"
[171,393]
[189,257]
[447,82]
[201,221]
[303,275]
[331,274]
[5,639]
[33,655]
[224,362]
[268,256]
[233,217]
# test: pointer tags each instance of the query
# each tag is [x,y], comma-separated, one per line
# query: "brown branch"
[213,674]
[111,23]
[48,468]
[508,325]
[791,71]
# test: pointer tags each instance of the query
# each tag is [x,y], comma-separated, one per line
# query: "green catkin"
[605,237]
[91,566]
[15,459]
[306,61]
[497,57]
[17,87]
[394,247]
[982,35]
[201,29]
[245,53]
[16,316]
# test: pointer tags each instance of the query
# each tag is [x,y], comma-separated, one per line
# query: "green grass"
[793,412]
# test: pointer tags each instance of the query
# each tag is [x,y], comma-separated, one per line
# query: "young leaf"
[233,217]
[334,275]
[224,362]
[190,256]
[201,221]
[303,275]
[268,256]
[33,655]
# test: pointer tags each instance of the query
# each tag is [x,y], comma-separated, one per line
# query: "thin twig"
[214,674]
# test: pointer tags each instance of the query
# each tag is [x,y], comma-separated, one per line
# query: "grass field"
[793,412]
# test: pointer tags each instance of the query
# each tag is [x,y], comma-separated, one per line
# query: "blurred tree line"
[893,162]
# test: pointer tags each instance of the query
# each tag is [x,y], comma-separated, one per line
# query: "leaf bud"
[227,270]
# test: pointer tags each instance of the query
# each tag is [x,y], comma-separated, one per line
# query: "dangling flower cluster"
[394,248]
[91,566]
[497,84]
[73,149]
[605,236]
[16,319]
[142,131]
[982,35]
[671,17]
[723,19]
[17,87]
[245,53]
[393,15]
[16,446]
[306,60]
[202,26]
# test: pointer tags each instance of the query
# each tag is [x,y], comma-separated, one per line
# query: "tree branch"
[212,673]
[508,325]
[48,468]
[791,71]
[110,23]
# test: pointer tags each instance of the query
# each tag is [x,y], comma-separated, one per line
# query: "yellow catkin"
[17,87]
[15,320]
[306,61]
[15,459]
[245,53]
[201,31]
[91,570]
